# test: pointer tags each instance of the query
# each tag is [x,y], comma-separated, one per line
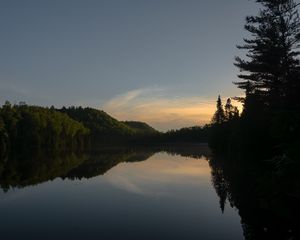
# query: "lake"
[117,194]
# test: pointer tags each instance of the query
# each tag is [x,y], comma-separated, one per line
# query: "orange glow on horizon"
[163,113]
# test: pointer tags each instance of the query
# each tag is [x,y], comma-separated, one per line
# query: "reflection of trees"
[34,168]
[220,185]
[267,201]
[189,150]
[100,163]
[25,170]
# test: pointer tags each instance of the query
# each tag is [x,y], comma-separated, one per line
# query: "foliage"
[25,127]
[140,127]
[221,130]
[187,135]
[270,77]
[219,116]
[272,65]
[102,126]
[231,111]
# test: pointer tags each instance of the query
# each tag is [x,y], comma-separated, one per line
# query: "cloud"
[126,98]
[161,109]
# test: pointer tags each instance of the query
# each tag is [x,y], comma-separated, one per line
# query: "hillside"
[101,125]
[25,127]
[140,127]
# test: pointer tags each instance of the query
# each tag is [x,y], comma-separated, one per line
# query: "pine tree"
[271,69]
[229,108]
[219,116]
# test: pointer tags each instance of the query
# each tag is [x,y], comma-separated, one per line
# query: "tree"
[219,116]
[271,68]
[229,110]
[24,127]
[235,113]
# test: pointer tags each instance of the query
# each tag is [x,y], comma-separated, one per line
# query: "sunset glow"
[162,112]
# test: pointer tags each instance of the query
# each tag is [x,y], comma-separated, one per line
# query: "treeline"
[31,128]
[102,126]
[184,136]
[270,77]
[107,130]
[25,128]
[222,130]
[187,135]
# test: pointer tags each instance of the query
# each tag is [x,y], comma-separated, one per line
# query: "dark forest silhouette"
[270,73]
[255,167]
[267,198]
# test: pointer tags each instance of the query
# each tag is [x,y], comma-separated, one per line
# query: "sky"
[160,61]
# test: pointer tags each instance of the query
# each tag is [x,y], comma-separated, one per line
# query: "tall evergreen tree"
[229,110]
[219,116]
[271,69]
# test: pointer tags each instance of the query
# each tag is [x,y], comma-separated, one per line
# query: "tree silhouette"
[231,112]
[219,116]
[271,69]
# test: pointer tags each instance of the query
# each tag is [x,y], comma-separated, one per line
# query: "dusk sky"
[159,61]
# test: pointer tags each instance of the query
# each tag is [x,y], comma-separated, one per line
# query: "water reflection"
[26,170]
[158,173]
[33,168]
[267,200]
[153,193]
[114,194]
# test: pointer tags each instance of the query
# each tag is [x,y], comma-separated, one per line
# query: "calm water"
[114,195]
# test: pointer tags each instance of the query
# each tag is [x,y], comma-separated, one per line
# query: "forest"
[34,128]
[27,128]
[269,124]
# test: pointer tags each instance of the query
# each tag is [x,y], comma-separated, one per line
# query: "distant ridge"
[105,127]
[140,127]
[98,121]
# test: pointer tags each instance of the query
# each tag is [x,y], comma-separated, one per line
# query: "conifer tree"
[229,109]
[270,72]
[219,116]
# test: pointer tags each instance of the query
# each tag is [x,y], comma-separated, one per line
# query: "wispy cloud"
[123,100]
[159,108]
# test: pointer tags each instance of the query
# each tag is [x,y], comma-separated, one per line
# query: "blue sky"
[159,61]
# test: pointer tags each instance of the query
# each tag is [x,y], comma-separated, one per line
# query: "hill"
[25,127]
[101,125]
[140,127]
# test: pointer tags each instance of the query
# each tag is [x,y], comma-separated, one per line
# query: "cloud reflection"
[157,175]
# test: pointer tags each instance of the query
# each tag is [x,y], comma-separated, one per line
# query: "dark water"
[117,194]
